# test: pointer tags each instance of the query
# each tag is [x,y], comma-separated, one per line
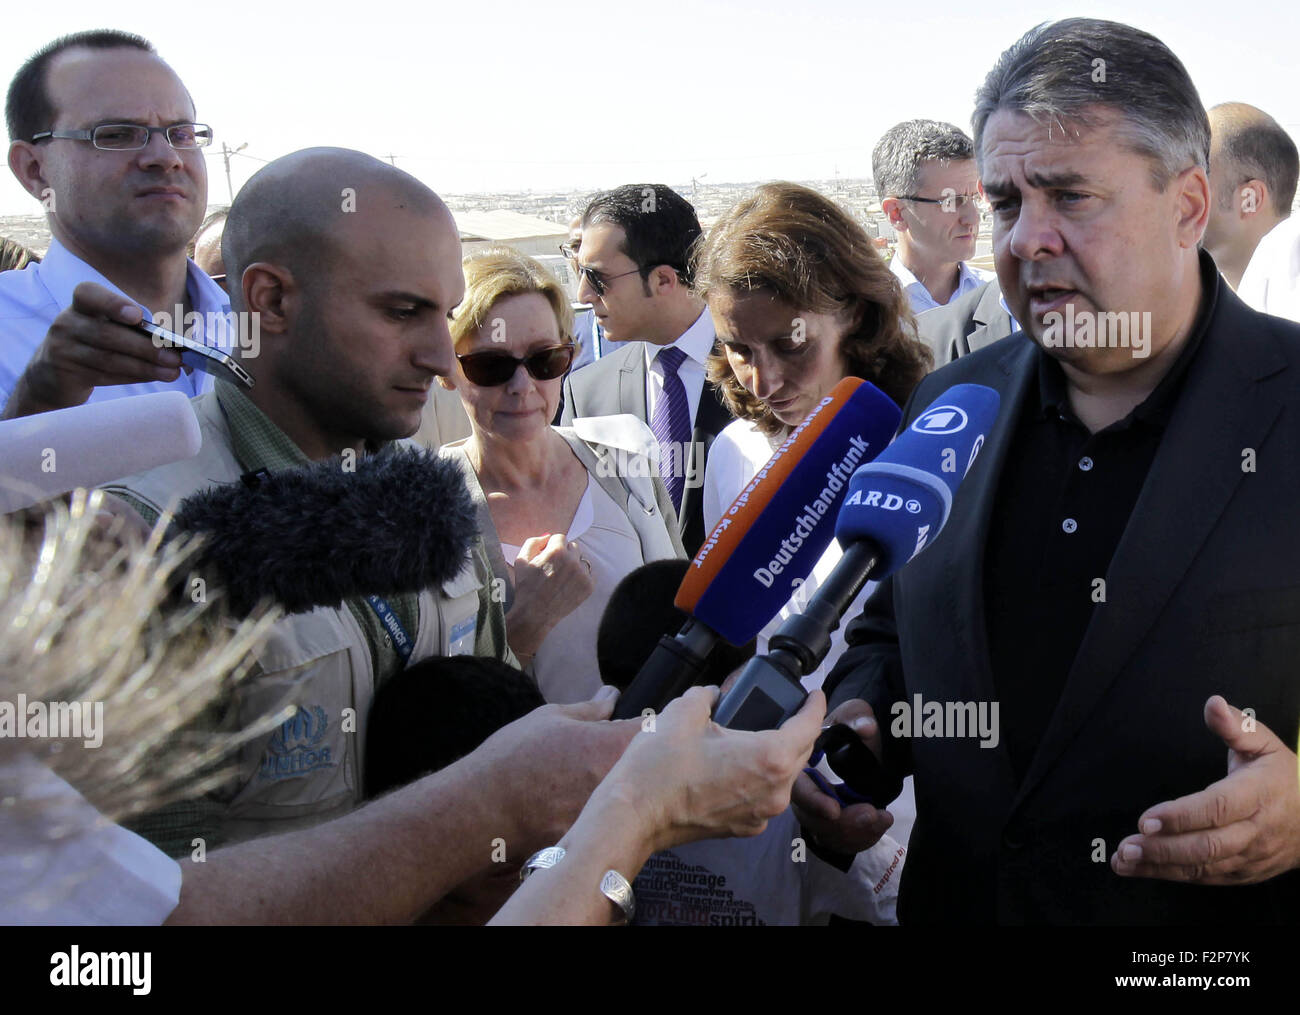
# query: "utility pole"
[226,152]
[392,159]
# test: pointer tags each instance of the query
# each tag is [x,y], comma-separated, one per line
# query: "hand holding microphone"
[846,815]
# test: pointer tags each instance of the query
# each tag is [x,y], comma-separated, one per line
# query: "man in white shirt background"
[1253,170]
[634,270]
[925,175]
[122,204]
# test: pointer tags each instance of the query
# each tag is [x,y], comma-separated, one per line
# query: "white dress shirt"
[697,343]
[30,300]
[919,296]
[1271,282]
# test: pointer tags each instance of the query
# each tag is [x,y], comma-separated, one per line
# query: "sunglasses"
[601,282]
[492,369]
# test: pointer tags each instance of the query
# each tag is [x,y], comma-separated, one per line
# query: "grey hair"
[1062,70]
[898,156]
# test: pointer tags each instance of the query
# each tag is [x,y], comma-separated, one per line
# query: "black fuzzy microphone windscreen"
[400,521]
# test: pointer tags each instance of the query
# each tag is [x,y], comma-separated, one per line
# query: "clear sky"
[473,95]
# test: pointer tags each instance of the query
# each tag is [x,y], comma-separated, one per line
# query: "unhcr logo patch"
[296,746]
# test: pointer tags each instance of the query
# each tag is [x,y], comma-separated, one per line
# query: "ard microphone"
[769,539]
[403,521]
[54,452]
[895,506]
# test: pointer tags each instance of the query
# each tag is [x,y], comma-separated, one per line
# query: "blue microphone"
[895,507]
[901,500]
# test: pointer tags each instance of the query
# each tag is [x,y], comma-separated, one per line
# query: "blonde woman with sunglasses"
[569,517]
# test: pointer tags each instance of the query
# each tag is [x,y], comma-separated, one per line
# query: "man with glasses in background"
[634,270]
[102,134]
[925,174]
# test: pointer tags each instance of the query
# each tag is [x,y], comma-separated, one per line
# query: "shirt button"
[1085,463]
[1069,525]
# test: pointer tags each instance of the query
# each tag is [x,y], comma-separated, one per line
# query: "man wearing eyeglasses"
[102,134]
[925,174]
[634,271]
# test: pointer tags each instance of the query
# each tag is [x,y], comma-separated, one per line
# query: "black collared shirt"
[1063,501]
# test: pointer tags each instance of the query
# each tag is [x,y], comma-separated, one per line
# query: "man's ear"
[25,163]
[271,292]
[448,383]
[893,209]
[1194,199]
[663,280]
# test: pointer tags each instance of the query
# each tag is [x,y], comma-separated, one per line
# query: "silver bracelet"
[542,859]
[615,888]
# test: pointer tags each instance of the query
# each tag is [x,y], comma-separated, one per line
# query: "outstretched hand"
[1242,829]
[691,779]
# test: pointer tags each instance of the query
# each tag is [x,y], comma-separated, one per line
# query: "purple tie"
[672,425]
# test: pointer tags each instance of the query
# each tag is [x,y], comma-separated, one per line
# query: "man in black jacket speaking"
[1119,578]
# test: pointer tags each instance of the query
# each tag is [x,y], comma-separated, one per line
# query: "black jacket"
[1203,597]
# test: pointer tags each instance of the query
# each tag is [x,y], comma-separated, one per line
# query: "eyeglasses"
[569,250]
[492,369]
[601,282]
[131,137]
[953,202]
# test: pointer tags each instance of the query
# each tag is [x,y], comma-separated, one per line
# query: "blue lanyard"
[401,640]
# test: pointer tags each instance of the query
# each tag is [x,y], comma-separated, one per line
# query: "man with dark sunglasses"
[634,270]
[102,134]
